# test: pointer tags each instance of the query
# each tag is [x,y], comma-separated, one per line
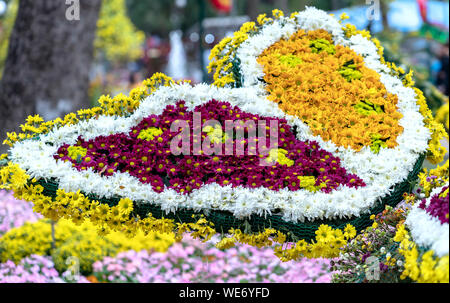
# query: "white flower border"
[381,171]
[37,158]
[426,230]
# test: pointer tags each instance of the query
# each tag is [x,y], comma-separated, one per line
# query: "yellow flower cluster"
[150,134]
[309,183]
[76,152]
[350,30]
[436,151]
[120,219]
[423,268]
[340,99]
[223,54]
[71,240]
[216,134]
[117,37]
[327,242]
[278,155]
[202,229]
[442,115]
[12,177]
[120,105]
[436,177]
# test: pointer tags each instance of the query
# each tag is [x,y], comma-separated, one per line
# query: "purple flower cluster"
[438,207]
[191,261]
[14,213]
[32,269]
[153,161]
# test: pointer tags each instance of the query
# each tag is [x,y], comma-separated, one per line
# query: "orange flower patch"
[329,88]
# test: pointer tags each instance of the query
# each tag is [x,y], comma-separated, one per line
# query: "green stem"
[53,235]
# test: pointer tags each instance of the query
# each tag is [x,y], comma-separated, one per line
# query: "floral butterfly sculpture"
[304,143]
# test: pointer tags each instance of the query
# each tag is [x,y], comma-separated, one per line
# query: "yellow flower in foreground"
[125,206]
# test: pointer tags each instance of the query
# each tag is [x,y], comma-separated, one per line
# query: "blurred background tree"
[6,29]
[117,38]
[49,57]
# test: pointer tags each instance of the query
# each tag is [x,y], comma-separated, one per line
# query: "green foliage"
[81,242]
[117,37]
[6,25]
[156,16]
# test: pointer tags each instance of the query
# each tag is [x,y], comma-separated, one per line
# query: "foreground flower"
[33,269]
[14,213]
[72,241]
[194,262]
[410,243]
[424,239]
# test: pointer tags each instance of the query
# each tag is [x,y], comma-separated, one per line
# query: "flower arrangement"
[321,175]
[409,243]
[442,114]
[318,177]
[424,236]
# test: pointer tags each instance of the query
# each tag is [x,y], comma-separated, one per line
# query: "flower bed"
[186,261]
[194,262]
[32,269]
